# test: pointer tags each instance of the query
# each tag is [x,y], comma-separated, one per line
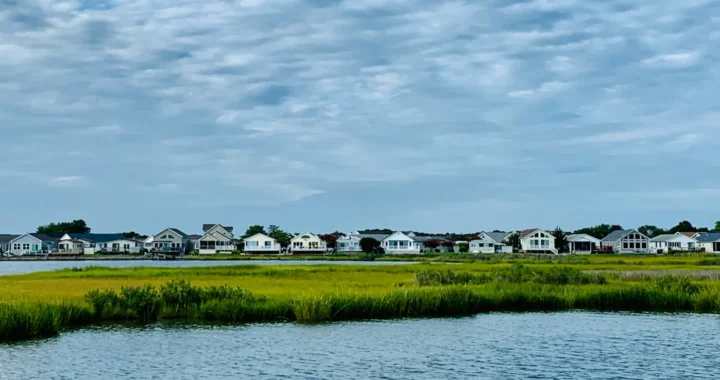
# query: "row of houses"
[217,238]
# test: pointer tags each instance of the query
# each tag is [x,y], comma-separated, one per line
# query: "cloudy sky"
[346,114]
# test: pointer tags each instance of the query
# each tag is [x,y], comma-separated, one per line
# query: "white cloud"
[675,60]
[66,181]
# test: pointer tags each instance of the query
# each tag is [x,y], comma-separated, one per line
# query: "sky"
[324,115]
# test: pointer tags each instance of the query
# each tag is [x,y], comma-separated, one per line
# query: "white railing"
[263,248]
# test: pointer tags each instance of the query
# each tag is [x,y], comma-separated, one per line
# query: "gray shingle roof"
[44,237]
[498,236]
[5,238]
[179,232]
[98,238]
[580,237]
[616,235]
[666,237]
[378,237]
[208,226]
[708,237]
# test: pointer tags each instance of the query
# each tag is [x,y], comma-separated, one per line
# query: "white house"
[96,243]
[349,244]
[491,242]
[627,241]
[582,243]
[32,244]
[710,241]
[216,238]
[537,241]
[307,244]
[261,244]
[673,242]
[5,242]
[399,243]
[170,240]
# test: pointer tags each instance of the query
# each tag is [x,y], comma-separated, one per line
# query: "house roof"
[178,231]
[524,233]
[98,238]
[708,237]
[617,235]
[259,234]
[666,237]
[43,237]
[194,236]
[688,234]
[378,237]
[208,226]
[498,236]
[581,237]
[5,238]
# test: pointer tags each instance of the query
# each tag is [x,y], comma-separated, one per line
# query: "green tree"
[75,227]
[683,226]
[514,241]
[331,239]
[560,240]
[133,235]
[369,245]
[281,236]
[254,229]
[599,231]
[652,231]
[464,247]
[717,227]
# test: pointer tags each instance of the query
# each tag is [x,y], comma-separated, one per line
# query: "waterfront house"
[5,242]
[261,244]
[170,240]
[673,242]
[627,241]
[307,244]
[709,241]
[216,238]
[400,243]
[491,242]
[537,241]
[582,243]
[96,243]
[349,244]
[32,244]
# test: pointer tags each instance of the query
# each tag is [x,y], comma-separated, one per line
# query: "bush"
[180,296]
[449,277]
[142,302]
[103,302]
[678,284]
[236,252]
[464,247]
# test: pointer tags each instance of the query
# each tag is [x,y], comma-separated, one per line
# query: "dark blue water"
[21,267]
[494,346]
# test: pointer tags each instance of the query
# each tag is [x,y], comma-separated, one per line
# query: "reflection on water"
[20,267]
[493,346]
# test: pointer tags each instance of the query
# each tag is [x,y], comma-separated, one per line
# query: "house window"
[632,245]
[268,244]
[26,246]
[625,244]
[17,246]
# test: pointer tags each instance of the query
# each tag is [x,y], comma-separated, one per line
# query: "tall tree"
[331,239]
[278,234]
[75,227]
[560,240]
[599,231]
[717,226]
[369,245]
[683,226]
[514,241]
[133,235]
[254,229]
[651,231]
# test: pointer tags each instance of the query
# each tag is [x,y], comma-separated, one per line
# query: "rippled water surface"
[494,346]
[20,267]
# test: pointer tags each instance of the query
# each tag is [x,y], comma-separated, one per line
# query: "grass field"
[42,304]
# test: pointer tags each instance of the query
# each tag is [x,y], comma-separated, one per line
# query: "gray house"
[32,244]
[5,242]
[627,241]
[170,240]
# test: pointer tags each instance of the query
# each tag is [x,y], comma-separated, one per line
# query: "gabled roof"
[43,237]
[208,226]
[499,237]
[619,234]
[259,234]
[378,237]
[309,234]
[668,237]
[194,236]
[98,238]
[178,232]
[688,234]
[5,238]
[525,233]
[581,237]
[424,238]
[708,237]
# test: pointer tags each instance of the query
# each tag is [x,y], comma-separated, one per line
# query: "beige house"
[216,239]
[307,244]
[260,244]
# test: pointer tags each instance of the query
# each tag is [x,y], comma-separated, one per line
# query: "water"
[492,346]
[21,267]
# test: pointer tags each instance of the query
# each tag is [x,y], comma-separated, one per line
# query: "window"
[632,245]
[545,243]
[268,244]
[17,246]
[482,244]
[625,244]
[26,246]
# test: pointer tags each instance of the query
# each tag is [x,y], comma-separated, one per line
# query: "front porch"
[581,246]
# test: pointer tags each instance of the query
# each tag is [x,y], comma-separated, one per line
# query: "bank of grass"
[42,304]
